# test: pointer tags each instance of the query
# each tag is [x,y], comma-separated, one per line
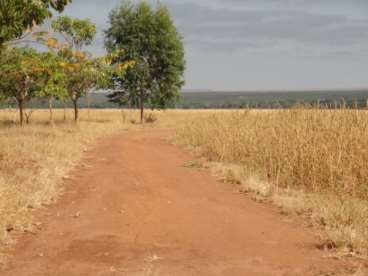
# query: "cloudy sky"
[262,44]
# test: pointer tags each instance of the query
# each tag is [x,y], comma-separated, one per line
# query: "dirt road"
[136,210]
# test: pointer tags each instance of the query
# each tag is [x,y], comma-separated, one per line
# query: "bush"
[150,118]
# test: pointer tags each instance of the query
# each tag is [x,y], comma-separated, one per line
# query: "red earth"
[135,209]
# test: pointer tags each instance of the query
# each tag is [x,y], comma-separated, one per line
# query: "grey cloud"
[267,44]
[298,3]
[246,25]
[232,29]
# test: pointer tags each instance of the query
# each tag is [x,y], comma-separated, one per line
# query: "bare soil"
[135,209]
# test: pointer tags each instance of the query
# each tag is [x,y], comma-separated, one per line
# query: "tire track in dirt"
[136,210]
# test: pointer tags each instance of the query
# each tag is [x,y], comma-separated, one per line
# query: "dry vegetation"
[35,158]
[310,161]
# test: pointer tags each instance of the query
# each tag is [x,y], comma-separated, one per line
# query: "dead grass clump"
[316,151]
[345,221]
[150,118]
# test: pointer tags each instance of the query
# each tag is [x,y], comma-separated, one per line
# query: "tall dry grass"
[320,152]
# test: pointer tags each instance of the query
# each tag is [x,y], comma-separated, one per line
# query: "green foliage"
[81,73]
[63,72]
[20,72]
[16,16]
[148,36]
[77,32]
[81,70]
[53,79]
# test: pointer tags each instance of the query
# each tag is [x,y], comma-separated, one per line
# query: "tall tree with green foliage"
[81,74]
[17,16]
[147,35]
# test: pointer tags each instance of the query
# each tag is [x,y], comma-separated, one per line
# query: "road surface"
[135,209]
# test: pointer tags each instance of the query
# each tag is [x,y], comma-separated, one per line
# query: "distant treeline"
[228,99]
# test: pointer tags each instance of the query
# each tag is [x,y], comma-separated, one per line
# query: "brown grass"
[312,161]
[34,159]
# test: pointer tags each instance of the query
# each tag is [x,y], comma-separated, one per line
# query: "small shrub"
[150,118]
[193,164]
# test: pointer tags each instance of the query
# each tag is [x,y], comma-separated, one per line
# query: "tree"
[20,71]
[84,73]
[17,16]
[52,80]
[148,36]
[77,32]
[3,97]
[81,74]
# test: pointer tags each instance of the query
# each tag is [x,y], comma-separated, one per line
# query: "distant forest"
[228,99]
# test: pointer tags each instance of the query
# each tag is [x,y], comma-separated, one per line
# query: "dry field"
[35,158]
[310,161]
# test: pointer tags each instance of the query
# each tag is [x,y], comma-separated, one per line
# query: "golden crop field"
[321,153]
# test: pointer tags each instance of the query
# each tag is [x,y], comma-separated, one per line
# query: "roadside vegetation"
[37,158]
[149,37]
[309,161]
[34,160]
[40,147]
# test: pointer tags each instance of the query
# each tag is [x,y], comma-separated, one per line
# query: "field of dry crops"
[313,161]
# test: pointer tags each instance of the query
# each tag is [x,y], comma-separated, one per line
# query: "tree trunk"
[51,111]
[64,111]
[142,106]
[123,115]
[88,105]
[75,103]
[27,114]
[21,111]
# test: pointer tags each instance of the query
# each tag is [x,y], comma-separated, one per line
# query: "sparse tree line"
[144,63]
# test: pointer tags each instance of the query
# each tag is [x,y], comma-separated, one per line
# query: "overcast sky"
[262,44]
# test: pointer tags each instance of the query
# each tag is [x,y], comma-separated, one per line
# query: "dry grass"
[312,161]
[34,159]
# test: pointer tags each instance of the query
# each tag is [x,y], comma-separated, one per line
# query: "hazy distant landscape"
[237,99]
[274,99]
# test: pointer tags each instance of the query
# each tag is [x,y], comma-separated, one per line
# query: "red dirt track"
[136,210]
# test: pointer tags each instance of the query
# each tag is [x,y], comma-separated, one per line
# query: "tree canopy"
[77,32]
[16,16]
[20,74]
[147,35]
[82,73]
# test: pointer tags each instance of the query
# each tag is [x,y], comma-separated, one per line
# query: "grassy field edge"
[307,162]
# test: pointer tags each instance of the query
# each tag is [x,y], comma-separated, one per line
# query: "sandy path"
[136,210]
